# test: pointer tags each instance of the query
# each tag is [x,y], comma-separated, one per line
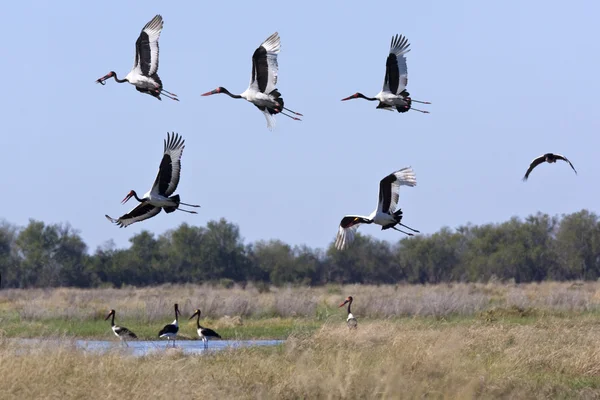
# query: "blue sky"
[508,81]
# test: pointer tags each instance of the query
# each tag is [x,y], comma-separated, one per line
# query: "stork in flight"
[120,331]
[394,96]
[262,91]
[385,214]
[549,158]
[144,75]
[159,197]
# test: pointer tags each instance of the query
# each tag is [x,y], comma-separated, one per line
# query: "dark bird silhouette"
[549,158]
[122,333]
[204,333]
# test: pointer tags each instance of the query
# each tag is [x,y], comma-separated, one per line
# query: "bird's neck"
[228,93]
[119,80]
[349,305]
[141,201]
[112,320]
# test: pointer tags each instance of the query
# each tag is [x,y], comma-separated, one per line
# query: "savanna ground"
[441,341]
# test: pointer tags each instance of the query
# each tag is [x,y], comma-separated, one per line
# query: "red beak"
[211,92]
[126,199]
[343,304]
[349,97]
[105,77]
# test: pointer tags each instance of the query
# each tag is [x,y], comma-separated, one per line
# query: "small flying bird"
[144,74]
[204,333]
[166,182]
[170,331]
[351,321]
[549,158]
[122,333]
[262,91]
[394,96]
[385,214]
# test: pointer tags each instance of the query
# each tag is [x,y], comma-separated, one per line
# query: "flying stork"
[122,333]
[164,186]
[351,321]
[170,331]
[262,91]
[385,214]
[144,75]
[204,333]
[549,158]
[394,96]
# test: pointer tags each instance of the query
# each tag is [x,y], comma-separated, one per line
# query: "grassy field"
[442,341]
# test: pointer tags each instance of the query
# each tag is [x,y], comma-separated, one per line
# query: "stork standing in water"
[170,331]
[144,75]
[385,214]
[394,96]
[351,321]
[120,331]
[262,91]
[204,333]
[164,186]
[549,158]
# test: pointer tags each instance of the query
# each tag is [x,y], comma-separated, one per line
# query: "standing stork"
[549,158]
[204,333]
[351,321]
[170,331]
[166,182]
[385,214]
[262,91]
[122,333]
[394,94]
[144,75]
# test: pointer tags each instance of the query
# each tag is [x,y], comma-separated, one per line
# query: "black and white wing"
[209,333]
[561,157]
[124,332]
[347,230]
[170,329]
[264,65]
[396,71]
[170,167]
[534,163]
[389,188]
[146,47]
[141,212]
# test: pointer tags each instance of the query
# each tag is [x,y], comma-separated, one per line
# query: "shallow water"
[147,347]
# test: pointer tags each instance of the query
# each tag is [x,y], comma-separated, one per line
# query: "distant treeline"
[539,248]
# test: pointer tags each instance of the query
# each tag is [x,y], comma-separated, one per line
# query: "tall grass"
[557,357]
[155,304]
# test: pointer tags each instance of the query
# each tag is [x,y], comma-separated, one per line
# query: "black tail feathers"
[171,209]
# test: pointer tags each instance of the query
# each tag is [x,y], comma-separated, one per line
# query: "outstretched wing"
[561,157]
[141,212]
[347,230]
[264,65]
[396,71]
[534,163]
[170,167]
[146,47]
[389,188]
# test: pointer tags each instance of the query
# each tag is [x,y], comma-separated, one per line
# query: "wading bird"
[351,321]
[204,333]
[170,331]
[144,75]
[394,96]
[164,186]
[385,214]
[121,332]
[262,91]
[549,158]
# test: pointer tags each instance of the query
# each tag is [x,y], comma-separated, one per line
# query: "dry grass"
[149,305]
[554,357]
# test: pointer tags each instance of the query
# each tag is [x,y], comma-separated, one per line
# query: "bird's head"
[348,300]
[105,77]
[110,314]
[354,96]
[129,196]
[197,312]
[216,91]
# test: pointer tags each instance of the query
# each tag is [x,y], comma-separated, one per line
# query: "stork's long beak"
[126,199]
[196,313]
[348,98]
[343,304]
[105,77]
[108,316]
[211,92]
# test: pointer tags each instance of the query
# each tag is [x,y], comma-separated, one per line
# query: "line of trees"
[538,248]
